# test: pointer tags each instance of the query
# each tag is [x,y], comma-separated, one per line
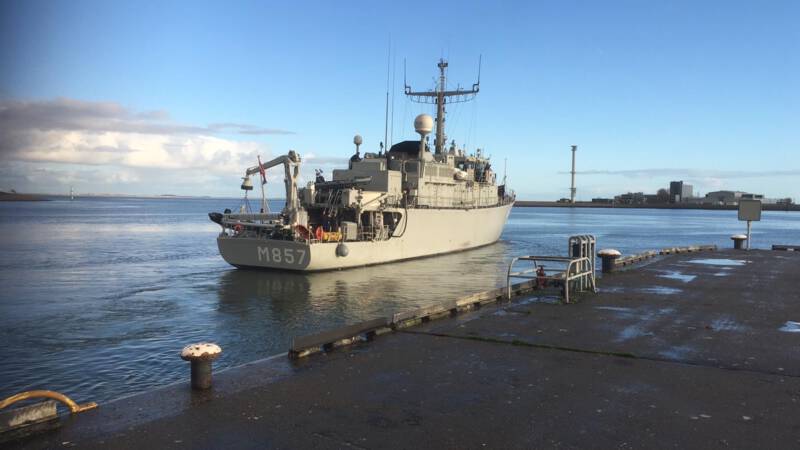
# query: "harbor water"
[99,295]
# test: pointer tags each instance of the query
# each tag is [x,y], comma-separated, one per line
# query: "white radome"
[423,124]
[357,139]
[203,350]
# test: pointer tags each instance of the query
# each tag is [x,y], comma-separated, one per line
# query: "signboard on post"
[749,210]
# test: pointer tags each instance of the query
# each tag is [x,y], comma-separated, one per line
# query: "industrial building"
[732,197]
[679,191]
[636,198]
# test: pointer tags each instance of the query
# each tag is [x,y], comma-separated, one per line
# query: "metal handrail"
[576,269]
[73,407]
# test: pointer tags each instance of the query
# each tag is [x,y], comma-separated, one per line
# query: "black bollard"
[609,258]
[738,241]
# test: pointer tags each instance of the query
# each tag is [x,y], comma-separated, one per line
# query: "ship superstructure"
[408,202]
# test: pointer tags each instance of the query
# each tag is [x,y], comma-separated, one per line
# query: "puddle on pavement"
[727,324]
[675,275]
[676,352]
[509,312]
[645,321]
[548,299]
[506,335]
[611,289]
[631,332]
[791,327]
[661,290]
[719,262]
[613,308]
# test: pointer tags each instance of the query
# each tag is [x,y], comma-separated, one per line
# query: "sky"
[181,97]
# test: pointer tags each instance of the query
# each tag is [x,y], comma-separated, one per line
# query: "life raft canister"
[318,233]
[302,231]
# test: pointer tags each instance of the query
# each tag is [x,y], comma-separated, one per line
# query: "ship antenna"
[394,88]
[386,115]
[440,97]
[405,83]
[477,85]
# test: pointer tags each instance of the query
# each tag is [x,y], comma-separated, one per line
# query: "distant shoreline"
[549,204]
[15,197]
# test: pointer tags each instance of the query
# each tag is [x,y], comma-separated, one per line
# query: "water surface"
[99,295]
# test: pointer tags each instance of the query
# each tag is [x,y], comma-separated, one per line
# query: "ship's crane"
[291,167]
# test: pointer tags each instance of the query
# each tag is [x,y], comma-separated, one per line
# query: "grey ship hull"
[427,232]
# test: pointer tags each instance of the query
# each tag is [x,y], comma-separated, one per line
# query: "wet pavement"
[687,351]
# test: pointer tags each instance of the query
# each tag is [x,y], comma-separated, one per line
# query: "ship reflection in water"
[359,294]
[259,312]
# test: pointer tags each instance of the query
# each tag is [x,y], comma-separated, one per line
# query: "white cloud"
[71,114]
[93,133]
[69,141]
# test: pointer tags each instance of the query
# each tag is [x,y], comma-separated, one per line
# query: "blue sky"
[178,97]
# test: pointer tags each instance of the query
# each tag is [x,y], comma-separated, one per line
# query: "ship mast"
[440,97]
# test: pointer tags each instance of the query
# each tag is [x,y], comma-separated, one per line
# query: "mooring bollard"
[201,355]
[609,257]
[738,240]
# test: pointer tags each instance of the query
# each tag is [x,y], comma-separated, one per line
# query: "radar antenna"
[440,96]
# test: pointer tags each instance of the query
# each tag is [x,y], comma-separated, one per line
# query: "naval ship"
[408,202]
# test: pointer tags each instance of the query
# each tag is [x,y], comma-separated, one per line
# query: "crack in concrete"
[521,343]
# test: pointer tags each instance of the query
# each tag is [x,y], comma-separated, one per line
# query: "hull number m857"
[291,256]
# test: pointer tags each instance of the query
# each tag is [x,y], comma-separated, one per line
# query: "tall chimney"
[572,188]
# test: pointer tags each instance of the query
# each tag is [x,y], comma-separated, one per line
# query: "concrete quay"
[689,351]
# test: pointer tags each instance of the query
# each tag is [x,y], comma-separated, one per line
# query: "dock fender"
[342,250]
